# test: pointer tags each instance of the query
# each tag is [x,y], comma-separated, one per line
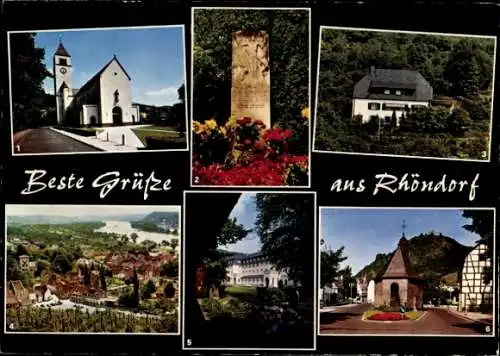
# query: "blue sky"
[245,212]
[153,58]
[366,232]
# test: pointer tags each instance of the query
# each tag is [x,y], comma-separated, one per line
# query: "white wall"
[109,84]
[87,112]
[360,107]
[371,292]
[473,290]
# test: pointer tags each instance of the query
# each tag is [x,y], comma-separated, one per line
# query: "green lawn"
[160,133]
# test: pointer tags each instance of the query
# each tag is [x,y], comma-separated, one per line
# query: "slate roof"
[61,51]
[393,79]
[95,78]
[399,265]
[243,257]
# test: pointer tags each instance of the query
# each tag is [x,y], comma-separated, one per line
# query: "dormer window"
[387,91]
[398,92]
[63,62]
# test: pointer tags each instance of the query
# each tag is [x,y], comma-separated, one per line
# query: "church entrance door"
[395,300]
[117,116]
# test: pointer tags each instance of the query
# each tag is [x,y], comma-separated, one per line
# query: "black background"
[325,168]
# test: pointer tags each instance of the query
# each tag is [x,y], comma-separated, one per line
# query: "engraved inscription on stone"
[250,91]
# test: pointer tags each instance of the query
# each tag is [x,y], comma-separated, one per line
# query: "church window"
[115,73]
[63,61]
[116,94]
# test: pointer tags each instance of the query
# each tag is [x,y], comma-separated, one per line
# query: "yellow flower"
[211,124]
[305,112]
[197,127]
[231,122]
[223,131]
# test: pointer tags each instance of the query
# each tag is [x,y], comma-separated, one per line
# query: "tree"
[285,224]
[231,233]
[459,121]
[135,281]
[27,75]
[330,265]
[148,289]
[21,250]
[289,60]
[482,224]
[170,269]
[169,290]
[174,243]
[61,264]
[165,243]
[133,237]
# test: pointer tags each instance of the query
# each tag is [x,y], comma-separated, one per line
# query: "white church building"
[254,270]
[104,100]
[384,92]
[474,293]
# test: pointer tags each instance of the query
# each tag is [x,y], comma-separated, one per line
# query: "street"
[44,140]
[347,320]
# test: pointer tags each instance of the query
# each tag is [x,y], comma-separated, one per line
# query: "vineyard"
[78,321]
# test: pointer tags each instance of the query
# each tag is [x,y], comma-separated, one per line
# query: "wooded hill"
[433,256]
[171,218]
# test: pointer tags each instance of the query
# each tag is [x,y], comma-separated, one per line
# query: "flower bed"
[388,316]
[244,152]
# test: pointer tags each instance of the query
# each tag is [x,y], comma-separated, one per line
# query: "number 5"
[189,342]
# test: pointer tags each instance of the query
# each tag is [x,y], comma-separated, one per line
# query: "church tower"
[62,80]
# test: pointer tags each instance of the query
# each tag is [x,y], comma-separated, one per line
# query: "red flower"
[244,120]
[388,316]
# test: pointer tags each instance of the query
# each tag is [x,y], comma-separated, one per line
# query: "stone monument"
[250,90]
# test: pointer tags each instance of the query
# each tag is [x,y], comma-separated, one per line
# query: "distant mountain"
[431,255]
[158,217]
[53,219]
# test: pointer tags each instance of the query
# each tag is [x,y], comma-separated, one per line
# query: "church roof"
[61,51]
[399,265]
[94,79]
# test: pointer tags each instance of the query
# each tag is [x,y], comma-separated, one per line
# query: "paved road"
[45,140]
[436,321]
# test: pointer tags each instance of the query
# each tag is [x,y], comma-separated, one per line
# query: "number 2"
[196,180]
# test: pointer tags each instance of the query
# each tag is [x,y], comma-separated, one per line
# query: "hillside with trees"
[460,70]
[432,256]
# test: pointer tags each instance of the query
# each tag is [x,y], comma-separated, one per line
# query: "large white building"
[104,100]
[384,92]
[474,293]
[254,270]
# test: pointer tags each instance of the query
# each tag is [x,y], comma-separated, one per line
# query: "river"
[125,228]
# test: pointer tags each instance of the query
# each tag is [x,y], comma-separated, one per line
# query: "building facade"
[386,92]
[474,293]
[254,270]
[397,285]
[104,100]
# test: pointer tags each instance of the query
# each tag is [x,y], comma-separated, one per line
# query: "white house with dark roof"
[383,92]
[253,269]
[104,100]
